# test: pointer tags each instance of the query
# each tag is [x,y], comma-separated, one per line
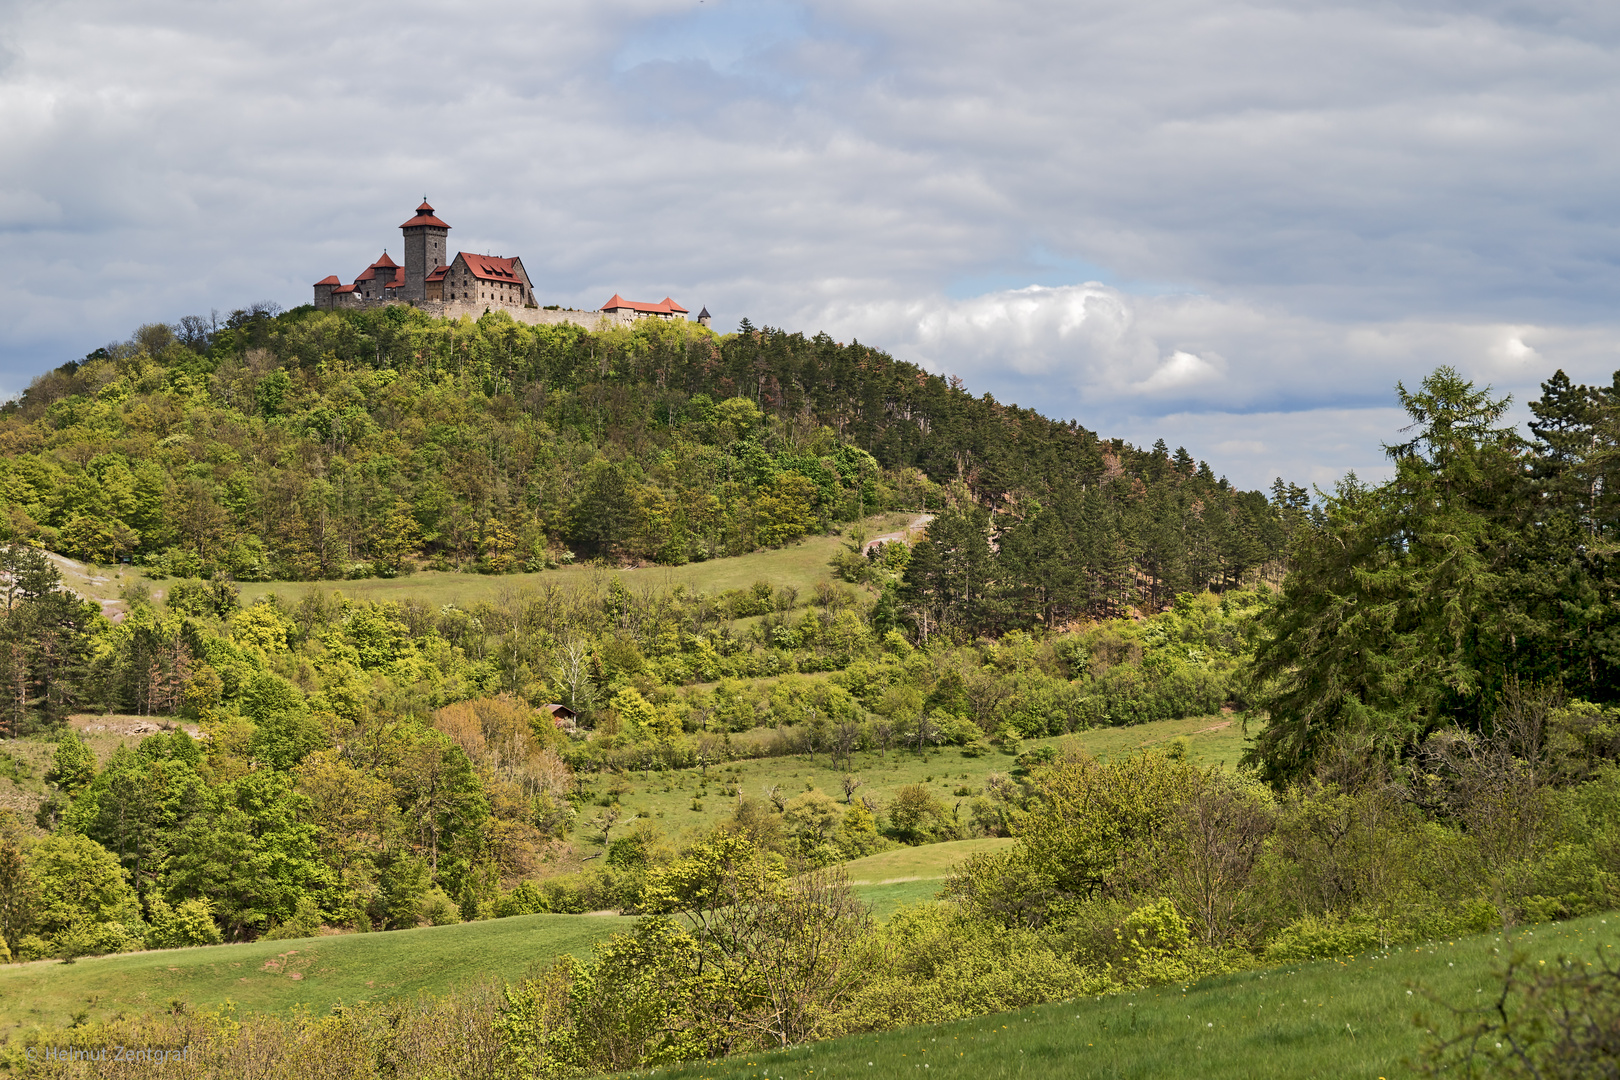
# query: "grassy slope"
[930,862]
[1328,1019]
[800,565]
[667,797]
[276,975]
[911,875]
[353,967]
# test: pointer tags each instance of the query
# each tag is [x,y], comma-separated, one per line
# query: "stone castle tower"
[426,249]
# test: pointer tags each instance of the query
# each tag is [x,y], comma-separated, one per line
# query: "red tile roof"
[344,288]
[490,267]
[438,273]
[384,263]
[391,273]
[666,306]
[329,279]
[424,216]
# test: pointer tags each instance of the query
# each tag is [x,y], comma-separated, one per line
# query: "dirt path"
[918,523]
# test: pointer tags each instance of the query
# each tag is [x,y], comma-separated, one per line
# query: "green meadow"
[680,803]
[927,862]
[1360,1017]
[273,976]
[800,565]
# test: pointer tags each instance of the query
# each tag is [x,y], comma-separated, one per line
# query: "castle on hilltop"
[470,285]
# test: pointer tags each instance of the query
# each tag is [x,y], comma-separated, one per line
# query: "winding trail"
[918,523]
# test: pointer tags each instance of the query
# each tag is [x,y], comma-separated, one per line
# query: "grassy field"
[931,862]
[890,880]
[801,566]
[318,972]
[271,976]
[1331,1019]
[886,899]
[669,798]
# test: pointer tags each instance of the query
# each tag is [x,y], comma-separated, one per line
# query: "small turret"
[704,317]
[323,290]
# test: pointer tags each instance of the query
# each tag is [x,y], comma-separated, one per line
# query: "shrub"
[191,923]
[526,899]
[305,922]
[1320,937]
[933,963]
[437,908]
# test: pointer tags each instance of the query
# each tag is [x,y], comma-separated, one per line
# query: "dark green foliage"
[45,635]
[1414,603]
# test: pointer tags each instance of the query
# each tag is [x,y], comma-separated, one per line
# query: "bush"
[933,963]
[189,924]
[526,899]
[305,922]
[218,597]
[916,816]
[1322,937]
[437,908]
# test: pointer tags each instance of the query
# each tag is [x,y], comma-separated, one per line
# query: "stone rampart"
[476,309]
[590,320]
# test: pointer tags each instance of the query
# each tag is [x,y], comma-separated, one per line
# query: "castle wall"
[530,316]
[476,309]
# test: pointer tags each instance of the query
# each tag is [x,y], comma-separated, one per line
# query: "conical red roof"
[424,216]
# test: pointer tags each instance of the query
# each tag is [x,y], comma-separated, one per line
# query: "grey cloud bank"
[1286,207]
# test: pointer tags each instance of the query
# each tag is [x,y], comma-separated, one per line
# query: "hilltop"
[326,444]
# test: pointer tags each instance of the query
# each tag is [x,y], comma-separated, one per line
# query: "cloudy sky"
[1230,225]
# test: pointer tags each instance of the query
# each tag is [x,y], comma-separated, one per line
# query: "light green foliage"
[189,923]
[934,964]
[1093,826]
[260,626]
[84,903]
[1157,947]
[304,922]
[202,598]
[812,820]
[74,765]
[857,834]
[917,815]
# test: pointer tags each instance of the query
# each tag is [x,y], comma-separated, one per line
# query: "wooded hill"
[323,445]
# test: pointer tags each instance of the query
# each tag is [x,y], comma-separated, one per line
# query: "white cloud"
[1182,371]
